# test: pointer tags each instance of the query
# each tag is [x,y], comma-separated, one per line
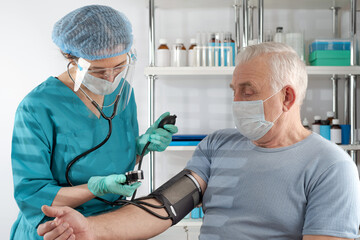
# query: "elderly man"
[268,179]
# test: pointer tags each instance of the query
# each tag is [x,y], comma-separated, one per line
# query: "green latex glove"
[159,138]
[100,186]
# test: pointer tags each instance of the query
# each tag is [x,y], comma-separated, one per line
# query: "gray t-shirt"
[309,188]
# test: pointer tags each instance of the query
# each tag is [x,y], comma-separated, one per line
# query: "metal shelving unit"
[228,71]
[268,4]
[241,8]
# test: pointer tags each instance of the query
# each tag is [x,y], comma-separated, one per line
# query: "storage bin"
[329,44]
[329,58]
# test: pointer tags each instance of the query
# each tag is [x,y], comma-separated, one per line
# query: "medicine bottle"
[163,54]
[279,35]
[316,125]
[192,53]
[213,50]
[229,51]
[305,124]
[179,54]
[335,132]
[330,116]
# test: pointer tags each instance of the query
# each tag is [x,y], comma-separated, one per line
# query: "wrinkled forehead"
[255,72]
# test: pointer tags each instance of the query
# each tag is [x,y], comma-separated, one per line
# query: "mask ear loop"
[271,97]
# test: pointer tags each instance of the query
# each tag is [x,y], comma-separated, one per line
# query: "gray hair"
[285,65]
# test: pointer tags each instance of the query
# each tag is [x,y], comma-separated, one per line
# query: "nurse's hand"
[100,186]
[159,138]
[68,224]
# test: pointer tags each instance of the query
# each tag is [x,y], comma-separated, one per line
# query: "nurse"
[91,104]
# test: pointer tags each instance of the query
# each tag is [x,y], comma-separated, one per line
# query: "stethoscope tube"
[120,201]
[109,119]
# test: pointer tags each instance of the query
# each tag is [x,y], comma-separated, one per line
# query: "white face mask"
[100,86]
[249,118]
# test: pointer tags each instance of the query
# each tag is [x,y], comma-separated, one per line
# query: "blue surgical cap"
[93,32]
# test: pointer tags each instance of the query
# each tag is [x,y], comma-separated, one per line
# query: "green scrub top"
[52,127]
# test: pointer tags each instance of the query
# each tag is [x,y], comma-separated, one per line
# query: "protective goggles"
[122,74]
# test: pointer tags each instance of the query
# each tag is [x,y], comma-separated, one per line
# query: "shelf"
[223,71]
[181,148]
[268,4]
[181,71]
[190,223]
[350,147]
[330,70]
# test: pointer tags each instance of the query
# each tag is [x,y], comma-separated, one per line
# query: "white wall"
[202,106]
[30,57]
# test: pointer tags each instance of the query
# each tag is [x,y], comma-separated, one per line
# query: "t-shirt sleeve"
[200,162]
[333,206]
[34,184]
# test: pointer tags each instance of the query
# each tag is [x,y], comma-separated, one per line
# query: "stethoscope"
[108,118]
[120,201]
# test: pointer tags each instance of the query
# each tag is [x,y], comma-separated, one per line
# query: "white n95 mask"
[249,118]
[101,86]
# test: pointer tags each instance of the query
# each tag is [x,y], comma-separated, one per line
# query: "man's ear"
[289,97]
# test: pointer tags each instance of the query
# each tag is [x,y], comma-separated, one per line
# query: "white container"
[316,126]
[178,54]
[296,41]
[163,54]
[192,53]
[279,36]
[335,132]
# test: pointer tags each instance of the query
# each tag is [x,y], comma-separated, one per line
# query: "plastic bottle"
[305,123]
[204,52]
[279,35]
[316,125]
[330,116]
[163,54]
[325,128]
[192,53]
[296,41]
[335,132]
[219,50]
[179,54]
[229,54]
[212,51]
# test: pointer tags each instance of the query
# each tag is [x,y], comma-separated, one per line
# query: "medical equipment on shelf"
[163,54]
[178,54]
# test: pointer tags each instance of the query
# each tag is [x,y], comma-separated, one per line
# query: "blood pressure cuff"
[179,195]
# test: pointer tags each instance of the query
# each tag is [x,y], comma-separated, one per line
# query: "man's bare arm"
[129,222]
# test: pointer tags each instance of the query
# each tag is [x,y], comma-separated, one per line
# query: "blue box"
[325,131]
[345,133]
[201,212]
[195,213]
[329,44]
[184,143]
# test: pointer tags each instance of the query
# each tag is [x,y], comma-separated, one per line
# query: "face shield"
[110,82]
